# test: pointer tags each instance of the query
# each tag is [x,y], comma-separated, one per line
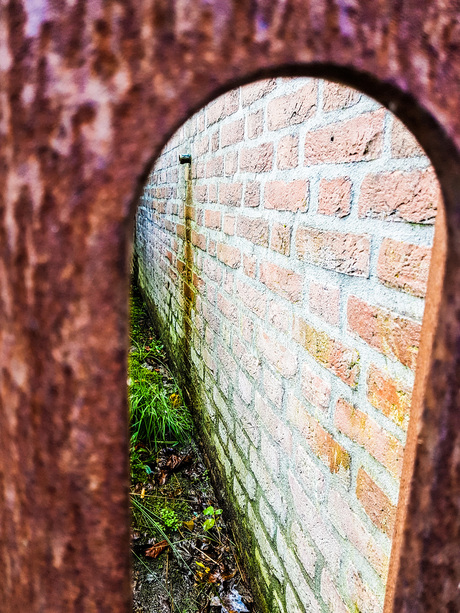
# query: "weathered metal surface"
[89,92]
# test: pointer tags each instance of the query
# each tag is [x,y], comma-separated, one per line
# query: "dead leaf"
[189,524]
[155,550]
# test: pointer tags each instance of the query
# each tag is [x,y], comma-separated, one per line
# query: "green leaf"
[209,511]
[209,523]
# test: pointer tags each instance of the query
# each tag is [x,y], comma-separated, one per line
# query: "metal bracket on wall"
[185,158]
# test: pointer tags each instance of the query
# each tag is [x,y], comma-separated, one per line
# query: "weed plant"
[157,411]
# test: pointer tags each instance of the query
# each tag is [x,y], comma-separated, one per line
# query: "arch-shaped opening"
[285,139]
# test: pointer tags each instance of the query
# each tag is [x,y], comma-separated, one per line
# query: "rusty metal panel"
[89,93]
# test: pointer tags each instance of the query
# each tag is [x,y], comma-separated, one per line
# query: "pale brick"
[230,194]
[255,124]
[279,316]
[396,336]
[305,552]
[287,152]
[312,522]
[280,239]
[334,197]
[336,96]
[249,265]
[227,308]
[293,108]
[254,91]
[400,196]
[364,431]
[308,471]
[276,354]
[330,595]
[404,266]
[244,387]
[231,133]
[360,138]
[315,389]
[247,420]
[252,194]
[248,360]
[252,298]
[273,388]
[269,485]
[403,142]
[345,253]
[282,281]
[361,594]
[351,528]
[279,431]
[228,225]
[321,442]
[286,196]
[215,166]
[325,301]
[231,256]
[231,163]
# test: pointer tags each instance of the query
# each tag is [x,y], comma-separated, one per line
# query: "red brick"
[199,240]
[315,389]
[282,281]
[276,354]
[222,107]
[255,91]
[345,253]
[364,431]
[254,229]
[337,96]
[231,256]
[280,239]
[230,194]
[200,193]
[201,146]
[360,138]
[325,302]
[255,124]
[293,108]
[391,334]
[375,502]
[229,225]
[227,308]
[286,196]
[257,159]
[287,152]
[334,197]
[403,142]
[400,196]
[320,441]
[252,194]
[389,396]
[252,298]
[215,166]
[330,353]
[212,219]
[404,266]
[231,133]
[180,229]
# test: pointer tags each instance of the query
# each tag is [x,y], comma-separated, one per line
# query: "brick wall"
[287,272]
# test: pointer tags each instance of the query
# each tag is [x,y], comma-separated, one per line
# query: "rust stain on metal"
[89,93]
